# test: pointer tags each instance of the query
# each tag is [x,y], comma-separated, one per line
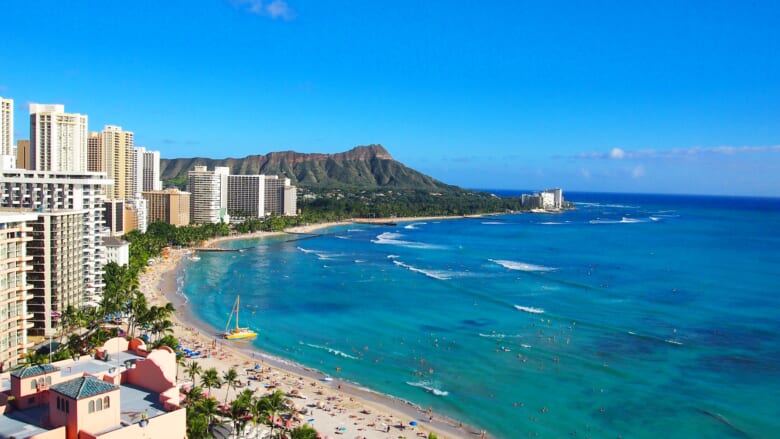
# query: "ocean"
[638,316]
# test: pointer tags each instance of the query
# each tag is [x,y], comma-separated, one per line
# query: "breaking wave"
[529,309]
[392,238]
[428,388]
[521,266]
[335,352]
[440,275]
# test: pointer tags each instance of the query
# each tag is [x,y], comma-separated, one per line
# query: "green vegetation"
[402,203]
[204,411]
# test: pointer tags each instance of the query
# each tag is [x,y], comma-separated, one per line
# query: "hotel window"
[33,384]
[106,402]
[99,404]
[91,407]
[58,403]
[67,406]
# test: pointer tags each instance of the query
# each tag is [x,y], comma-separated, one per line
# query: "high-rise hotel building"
[57,276]
[246,196]
[14,289]
[66,191]
[147,170]
[116,154]
[6,128]
[209,194]
[280,197]
[58,140]
[170,206]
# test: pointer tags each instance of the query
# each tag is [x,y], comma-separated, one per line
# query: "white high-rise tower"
[58,140]
[7,153]
[6,126]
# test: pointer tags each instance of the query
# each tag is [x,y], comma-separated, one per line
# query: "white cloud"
[273,8]
[620,154]
[638,172]
[280,9]
[617,153]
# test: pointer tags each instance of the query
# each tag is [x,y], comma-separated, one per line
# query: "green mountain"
[365,167]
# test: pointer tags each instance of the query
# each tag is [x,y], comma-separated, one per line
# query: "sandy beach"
[332,407]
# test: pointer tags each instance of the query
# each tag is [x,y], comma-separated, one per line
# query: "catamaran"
[237,333]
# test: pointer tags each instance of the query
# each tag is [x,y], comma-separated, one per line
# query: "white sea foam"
[613,206]
[529,309]
[527,346]
[493,223]
[428,388]
[335,352]
[499,335]
[413,226]
[521,266]
[623,220]
[323,256]
[492,335]
[441,275]
[391,238]
[393,256]
[551,223]
[674,342]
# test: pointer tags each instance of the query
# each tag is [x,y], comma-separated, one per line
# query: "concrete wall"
[157,372]
[172,425]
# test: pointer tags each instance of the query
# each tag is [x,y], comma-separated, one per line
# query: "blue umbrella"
[413,423]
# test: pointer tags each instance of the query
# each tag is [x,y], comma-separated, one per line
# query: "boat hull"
[239,335]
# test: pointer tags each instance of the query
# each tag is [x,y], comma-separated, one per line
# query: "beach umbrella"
[413,423]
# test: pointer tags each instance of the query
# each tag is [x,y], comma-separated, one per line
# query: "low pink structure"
[79,402]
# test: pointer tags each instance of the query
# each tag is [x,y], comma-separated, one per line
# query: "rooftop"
[83,387]
[23,423]
[34,370]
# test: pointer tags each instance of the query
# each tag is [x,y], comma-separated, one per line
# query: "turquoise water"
[640,316]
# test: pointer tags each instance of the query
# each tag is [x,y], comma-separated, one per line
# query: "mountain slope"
[363,166]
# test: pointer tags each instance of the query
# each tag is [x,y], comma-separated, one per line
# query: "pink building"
[122,394]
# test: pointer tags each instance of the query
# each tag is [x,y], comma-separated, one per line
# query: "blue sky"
[620,96]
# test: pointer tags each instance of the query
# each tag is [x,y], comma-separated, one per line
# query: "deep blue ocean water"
[634,315]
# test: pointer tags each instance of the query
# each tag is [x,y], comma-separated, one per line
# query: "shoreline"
[346,404]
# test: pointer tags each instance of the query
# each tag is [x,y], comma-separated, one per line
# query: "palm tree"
[270,406]
[210,378]
[304,432]
[229,377]
[136,308]
[239,412]
[192,370]
[209,407]
[194,396]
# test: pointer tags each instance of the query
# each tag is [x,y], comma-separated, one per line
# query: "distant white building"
[140,207]
[117,250]
[549,199]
